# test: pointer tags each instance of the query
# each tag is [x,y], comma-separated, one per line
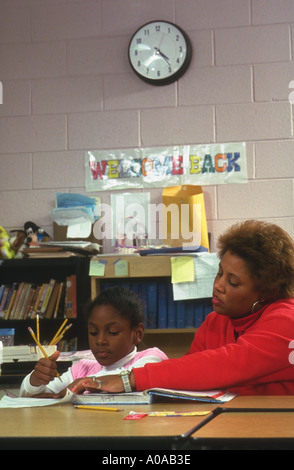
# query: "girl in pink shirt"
[115,329]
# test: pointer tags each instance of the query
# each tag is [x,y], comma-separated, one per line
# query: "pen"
[96,408]
[41,348]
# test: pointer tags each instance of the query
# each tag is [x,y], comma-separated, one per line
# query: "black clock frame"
[179,73]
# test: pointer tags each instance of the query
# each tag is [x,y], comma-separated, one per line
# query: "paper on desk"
[29,402]
[205,270]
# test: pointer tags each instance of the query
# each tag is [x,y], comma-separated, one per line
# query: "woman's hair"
[269,254]
[125,301]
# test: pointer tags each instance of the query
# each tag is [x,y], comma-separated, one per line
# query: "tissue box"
[74,216]
[7,336]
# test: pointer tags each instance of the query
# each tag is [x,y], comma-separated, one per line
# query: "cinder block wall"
[68,88]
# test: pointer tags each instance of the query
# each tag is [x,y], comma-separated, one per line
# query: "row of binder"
[161,311]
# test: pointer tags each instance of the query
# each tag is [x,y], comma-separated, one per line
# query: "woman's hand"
[45,370]
[105,383]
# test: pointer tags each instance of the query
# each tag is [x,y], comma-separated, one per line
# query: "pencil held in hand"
[41,348]
[58,338]
[59,332]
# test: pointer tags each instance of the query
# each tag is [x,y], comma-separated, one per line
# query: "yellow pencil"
[96,408]
[58,332]
[59,338]
[38,327]
[41,348]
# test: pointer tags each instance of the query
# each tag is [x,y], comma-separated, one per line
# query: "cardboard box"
[60,231]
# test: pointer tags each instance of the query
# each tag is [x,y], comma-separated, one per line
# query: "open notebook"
[154,395]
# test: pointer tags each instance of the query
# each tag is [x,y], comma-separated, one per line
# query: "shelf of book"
[53,288]
[169,325]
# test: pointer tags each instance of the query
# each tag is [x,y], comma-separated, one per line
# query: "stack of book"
[24,300]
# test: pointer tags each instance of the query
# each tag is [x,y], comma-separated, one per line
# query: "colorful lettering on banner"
[209,164]
[220,162]
[195,164]
[177,165]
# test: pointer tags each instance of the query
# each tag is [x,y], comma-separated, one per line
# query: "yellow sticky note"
[96,268]
[182,269]
[121,268]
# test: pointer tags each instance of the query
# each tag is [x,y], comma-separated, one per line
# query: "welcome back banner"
[209,164]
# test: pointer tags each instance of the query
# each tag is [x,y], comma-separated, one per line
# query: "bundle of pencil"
[41,347]
[56,338]
[60,333]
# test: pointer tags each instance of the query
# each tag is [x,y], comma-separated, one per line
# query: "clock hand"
[162,38]
[165,58]
[158,52]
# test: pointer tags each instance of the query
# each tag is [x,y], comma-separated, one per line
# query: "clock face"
[160,52]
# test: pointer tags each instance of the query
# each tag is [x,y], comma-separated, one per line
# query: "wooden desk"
[249,422]
[64,427]
[271,402]
[243,423]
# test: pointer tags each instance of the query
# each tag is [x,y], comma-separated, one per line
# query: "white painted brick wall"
[221,85]
[253,121]
[252,45]
[68,88]
[32,133]
[271,81]
[182,125]
[67,95]
[66,21]
[109,129]
[32,60]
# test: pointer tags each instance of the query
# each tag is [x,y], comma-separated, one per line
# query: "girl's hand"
[85,384]
[51,395]
[106,383]
[45,370]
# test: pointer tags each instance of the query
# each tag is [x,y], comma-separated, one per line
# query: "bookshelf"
[39,271]
[175,337]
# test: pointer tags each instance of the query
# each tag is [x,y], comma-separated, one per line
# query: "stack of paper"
[19,354]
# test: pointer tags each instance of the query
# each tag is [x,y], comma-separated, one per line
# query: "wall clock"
[160,52]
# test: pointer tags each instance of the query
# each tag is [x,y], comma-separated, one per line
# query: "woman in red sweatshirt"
[244,345]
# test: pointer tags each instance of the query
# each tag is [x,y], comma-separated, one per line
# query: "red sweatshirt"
[248,356]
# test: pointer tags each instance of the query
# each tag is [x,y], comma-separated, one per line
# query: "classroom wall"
[68,87]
